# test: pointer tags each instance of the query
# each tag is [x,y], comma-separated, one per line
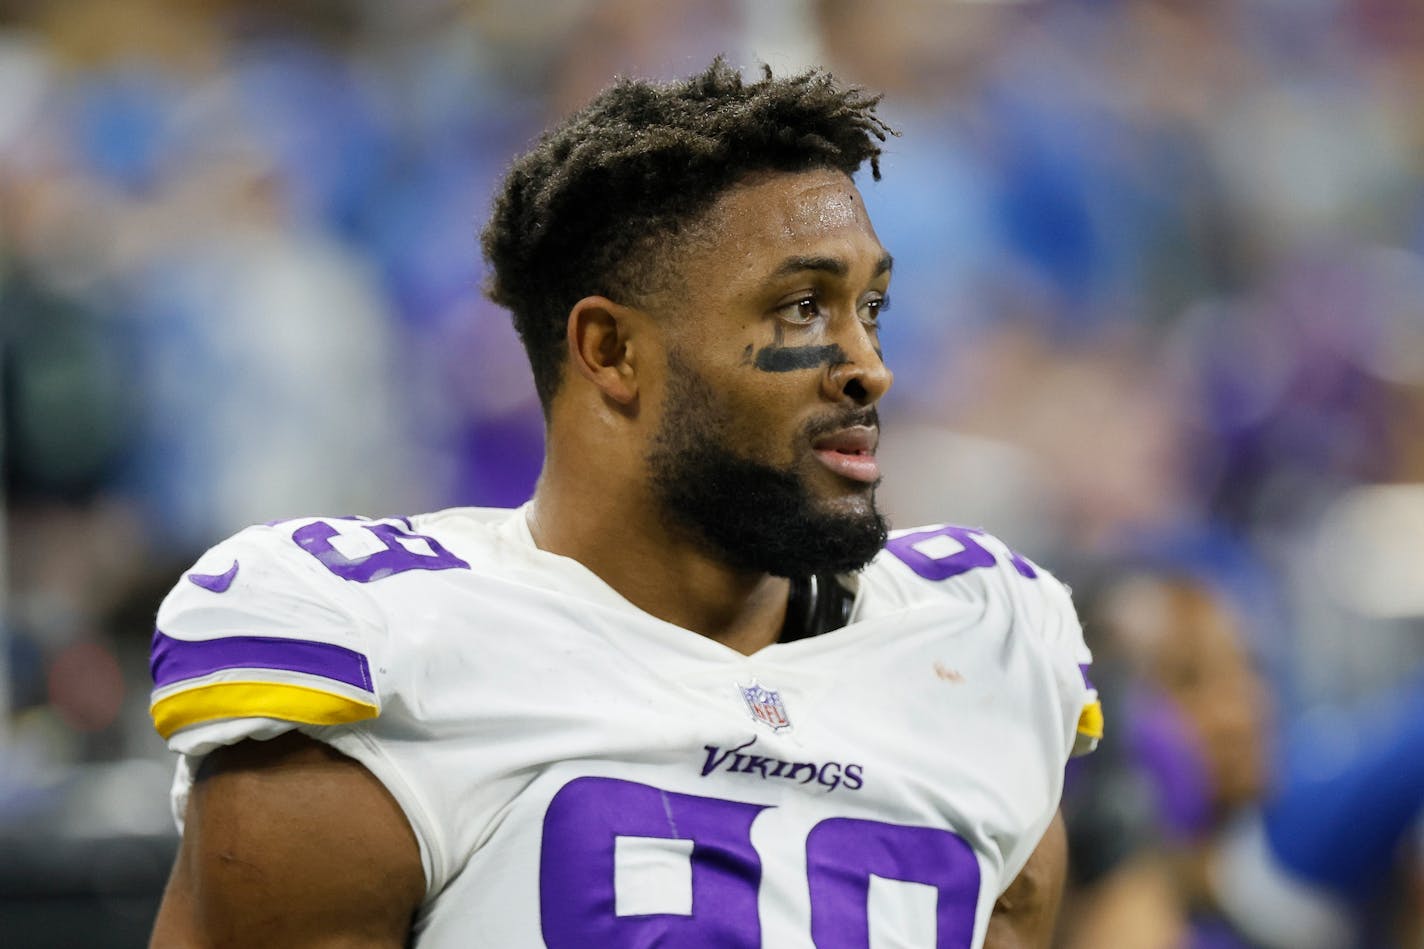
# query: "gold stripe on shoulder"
[291,703]
[1090,720]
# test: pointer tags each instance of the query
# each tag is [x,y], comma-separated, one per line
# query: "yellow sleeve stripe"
[291,703]
[1090,721]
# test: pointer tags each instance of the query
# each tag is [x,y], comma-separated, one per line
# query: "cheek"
[763,416]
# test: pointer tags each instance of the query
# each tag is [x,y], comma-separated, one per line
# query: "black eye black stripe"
[792,358]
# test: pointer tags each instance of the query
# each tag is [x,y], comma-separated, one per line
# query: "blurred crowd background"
[1158,322]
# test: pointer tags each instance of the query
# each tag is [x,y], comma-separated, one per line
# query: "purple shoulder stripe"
[173,660]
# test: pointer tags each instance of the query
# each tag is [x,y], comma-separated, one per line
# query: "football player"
[691,694]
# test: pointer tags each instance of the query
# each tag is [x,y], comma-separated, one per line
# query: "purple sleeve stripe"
[173,660]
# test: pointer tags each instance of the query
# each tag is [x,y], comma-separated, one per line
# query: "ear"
[603,339]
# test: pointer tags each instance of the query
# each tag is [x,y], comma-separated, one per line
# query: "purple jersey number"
[842,854]
[578,902]
[397,551]
[576,867]
[966,553]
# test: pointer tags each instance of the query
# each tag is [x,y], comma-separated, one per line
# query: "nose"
[862,377]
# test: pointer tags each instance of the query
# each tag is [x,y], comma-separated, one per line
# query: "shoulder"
[278,626]
[928,564]
[329,559]
[979,575]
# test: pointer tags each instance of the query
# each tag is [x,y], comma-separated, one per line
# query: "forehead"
[1203,630]
[757,222]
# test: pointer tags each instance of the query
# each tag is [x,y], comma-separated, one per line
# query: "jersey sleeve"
[1064,635]
[1043,607]
[259,638]
[973,564]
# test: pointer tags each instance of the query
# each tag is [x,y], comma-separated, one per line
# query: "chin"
[856,504]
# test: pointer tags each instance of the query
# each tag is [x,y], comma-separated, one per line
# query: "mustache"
[852,418]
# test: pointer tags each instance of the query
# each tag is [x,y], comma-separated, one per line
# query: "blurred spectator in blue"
[1193,830]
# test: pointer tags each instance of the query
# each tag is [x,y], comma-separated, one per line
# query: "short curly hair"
[593,206]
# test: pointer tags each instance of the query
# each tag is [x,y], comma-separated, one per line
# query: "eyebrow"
[831,265]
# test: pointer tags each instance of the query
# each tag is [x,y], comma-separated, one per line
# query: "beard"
[749,514]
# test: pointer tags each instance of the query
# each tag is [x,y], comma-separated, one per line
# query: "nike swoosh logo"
[217,582]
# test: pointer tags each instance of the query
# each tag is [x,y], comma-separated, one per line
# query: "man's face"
[1203,666]
[765,439]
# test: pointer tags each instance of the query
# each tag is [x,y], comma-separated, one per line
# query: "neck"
[626,543]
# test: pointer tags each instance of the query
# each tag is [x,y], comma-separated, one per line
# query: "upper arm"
[1136,905]
[289,843]
[1025,915]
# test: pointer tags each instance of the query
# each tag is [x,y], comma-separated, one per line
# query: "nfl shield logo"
[766,706]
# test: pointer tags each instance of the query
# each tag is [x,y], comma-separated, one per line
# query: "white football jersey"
[579,773]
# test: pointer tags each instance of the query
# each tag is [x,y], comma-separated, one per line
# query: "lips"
[850,452]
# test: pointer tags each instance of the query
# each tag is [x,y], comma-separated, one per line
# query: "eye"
[802,311]
[871,310]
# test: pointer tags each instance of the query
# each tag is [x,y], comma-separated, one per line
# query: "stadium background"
[1159,301]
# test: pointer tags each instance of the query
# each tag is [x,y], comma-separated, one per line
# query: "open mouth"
[850,453]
